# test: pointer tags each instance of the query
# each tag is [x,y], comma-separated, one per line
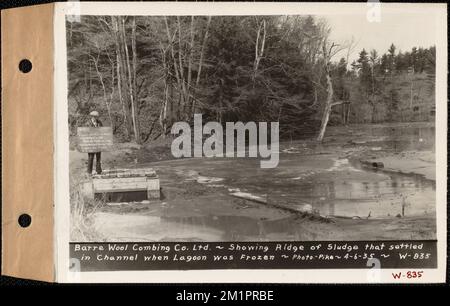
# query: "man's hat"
[94,114]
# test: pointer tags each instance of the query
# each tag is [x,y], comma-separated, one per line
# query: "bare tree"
[200,61]
[185,49]
[166,81]
[328,51]
[130,83]
[259,47]
[108,102]
[170,41]
[120,70]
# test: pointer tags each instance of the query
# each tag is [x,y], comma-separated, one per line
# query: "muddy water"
[329,185]
[198,204]
[404,138]
[118,227]
[376,195]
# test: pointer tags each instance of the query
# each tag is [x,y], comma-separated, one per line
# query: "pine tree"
[391,59]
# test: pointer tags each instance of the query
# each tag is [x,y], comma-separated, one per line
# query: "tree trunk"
[316,96]
[119,76]
[219,113]
[163,111]
[259,50]
[175,66]
[327,110]
[189,65]
[348,114]
[183,90]
[200,62]
[111,95]
[105,96]
[374,117]
[130,83]
[134,67]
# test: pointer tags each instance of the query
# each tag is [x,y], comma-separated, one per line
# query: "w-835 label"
[407,275]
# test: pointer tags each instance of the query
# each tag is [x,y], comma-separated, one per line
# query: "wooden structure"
[124,181]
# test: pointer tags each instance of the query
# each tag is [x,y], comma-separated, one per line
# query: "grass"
[82,210]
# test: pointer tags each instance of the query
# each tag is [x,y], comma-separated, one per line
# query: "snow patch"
[249,196]
[207,180]
[342,164]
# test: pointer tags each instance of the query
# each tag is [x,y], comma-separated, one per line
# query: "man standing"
[94,122]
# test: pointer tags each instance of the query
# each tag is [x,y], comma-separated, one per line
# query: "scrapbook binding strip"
[27,142]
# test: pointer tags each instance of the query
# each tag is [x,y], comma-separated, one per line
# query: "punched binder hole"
[25,66]
[24,220]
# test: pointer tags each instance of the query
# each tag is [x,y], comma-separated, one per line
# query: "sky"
[405,30]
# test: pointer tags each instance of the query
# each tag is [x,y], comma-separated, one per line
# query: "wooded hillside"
[145,73]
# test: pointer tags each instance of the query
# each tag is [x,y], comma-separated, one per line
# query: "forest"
[145,73]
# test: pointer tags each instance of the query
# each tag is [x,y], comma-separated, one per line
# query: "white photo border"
[61,143]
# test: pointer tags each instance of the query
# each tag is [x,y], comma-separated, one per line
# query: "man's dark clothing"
[98,165]
[94,122]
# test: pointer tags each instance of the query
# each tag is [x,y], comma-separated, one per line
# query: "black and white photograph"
[255,128]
